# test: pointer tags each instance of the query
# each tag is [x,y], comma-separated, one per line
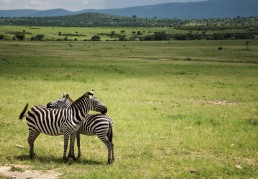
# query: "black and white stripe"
[63,102]
[64,121]
[97,124]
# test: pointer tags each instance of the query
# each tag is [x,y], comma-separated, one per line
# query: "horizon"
[79,5]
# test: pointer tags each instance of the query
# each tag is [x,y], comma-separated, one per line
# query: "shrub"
[95,38]
[1,37]
[38,37]
[20,36]
[160,36]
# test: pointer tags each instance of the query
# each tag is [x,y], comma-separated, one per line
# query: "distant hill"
[190,10]
[34,13]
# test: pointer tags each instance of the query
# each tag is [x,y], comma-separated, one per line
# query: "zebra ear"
[91,92]
[88,95]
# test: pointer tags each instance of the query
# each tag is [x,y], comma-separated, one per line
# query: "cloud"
[75,5]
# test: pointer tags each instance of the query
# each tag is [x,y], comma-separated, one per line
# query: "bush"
[147,38]
[38,37]
[20,36]
[160,36]
[95,38]
[1,37]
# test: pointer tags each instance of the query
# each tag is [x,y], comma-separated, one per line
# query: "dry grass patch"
[23,171]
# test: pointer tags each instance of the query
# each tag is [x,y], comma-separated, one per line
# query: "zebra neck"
[80,108]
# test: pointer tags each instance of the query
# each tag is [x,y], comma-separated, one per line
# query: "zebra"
[97,124]
[63,102]
[65,121]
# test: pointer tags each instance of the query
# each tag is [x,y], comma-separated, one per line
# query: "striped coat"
[64,121]
[97,124]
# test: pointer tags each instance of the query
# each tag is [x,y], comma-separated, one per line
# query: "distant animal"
[70,45]
[97,124]
[220,48]
[64,121]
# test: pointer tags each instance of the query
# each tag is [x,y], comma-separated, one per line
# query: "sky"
[76,5]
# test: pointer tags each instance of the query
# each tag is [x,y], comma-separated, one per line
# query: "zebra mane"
[81,98]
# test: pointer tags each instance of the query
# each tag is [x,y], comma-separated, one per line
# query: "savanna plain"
[180,109]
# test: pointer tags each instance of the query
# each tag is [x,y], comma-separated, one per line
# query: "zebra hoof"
[74,158]
[110,162]
[32,156]
[65,159]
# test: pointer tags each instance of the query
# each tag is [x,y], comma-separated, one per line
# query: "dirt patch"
[218,102]
[22,172]
[152,102]
[215,102]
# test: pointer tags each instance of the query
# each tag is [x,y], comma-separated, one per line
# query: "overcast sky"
[75,5]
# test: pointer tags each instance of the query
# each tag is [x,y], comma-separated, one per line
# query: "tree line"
[106,20]
[192,29]
[156,36]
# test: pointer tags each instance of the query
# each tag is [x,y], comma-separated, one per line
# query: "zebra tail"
[22,115]
[110,132]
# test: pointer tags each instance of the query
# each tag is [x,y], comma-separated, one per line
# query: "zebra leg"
[112,150]
[66,139]
[110,139]
[105,140]
[71,151]
[33,134]
[78,138]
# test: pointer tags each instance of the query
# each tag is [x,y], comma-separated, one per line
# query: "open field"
[191,32]
[78,33]
[180,109]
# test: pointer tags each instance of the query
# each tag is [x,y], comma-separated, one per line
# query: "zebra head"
[63,102]
[95,104]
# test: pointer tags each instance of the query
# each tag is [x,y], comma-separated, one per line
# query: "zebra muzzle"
[104,111]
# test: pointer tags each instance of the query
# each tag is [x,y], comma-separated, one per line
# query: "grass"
[79,33]
[180,110]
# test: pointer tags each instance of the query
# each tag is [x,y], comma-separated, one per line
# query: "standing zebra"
[97,124]
[65,121]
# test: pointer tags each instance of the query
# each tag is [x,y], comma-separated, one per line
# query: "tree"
[122,38]
[1,37]
[247,44]
[38,37]
[134,18]
[20,36]
[95,38]
[160,36]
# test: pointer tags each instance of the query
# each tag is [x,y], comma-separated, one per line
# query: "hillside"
[190,10]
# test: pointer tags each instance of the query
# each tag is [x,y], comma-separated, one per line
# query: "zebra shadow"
[41,159]
[58,160]
[90,162]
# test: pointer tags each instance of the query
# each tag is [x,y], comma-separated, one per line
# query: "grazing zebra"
[65,121]
[97,124]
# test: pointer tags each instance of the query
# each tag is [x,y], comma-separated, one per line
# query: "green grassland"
[78,33]
[181,109]
[191,32]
